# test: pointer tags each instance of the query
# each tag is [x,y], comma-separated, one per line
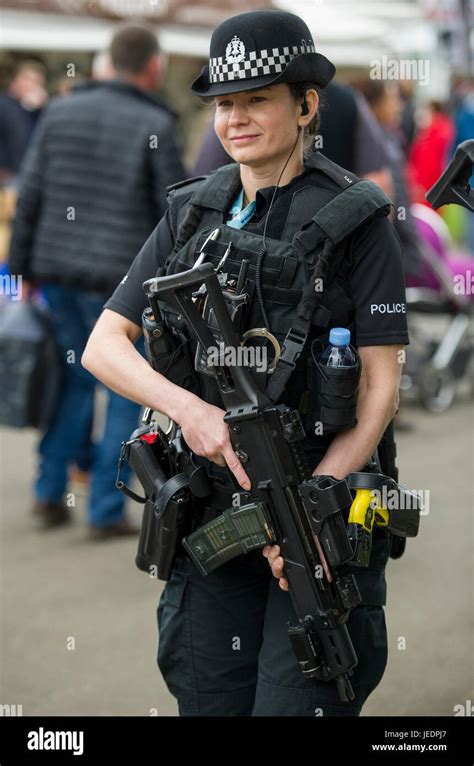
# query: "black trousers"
[224,648]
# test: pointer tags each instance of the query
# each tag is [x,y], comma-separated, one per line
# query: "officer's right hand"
[207,435]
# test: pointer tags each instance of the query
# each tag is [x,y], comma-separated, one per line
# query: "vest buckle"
[292,348]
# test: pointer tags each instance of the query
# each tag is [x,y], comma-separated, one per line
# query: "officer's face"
[257,127]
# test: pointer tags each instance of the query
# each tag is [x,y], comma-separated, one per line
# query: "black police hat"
[253,50]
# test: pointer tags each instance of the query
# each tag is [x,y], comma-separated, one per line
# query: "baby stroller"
[441,295]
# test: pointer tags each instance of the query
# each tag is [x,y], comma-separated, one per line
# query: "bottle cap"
[339,336]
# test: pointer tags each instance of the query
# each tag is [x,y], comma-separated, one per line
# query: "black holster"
[171,502]
[161,534]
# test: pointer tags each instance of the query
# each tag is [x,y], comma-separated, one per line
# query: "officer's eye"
[258,98]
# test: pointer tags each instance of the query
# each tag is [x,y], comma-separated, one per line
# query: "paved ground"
[78,623]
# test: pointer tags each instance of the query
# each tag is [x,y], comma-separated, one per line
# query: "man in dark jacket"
[92,189]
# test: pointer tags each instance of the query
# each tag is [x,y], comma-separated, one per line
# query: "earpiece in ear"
[304,108]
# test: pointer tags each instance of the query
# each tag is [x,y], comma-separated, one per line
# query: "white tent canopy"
[348,33]
[354,33]
[22,30]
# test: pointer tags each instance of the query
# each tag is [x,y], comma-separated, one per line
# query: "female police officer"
[223,646]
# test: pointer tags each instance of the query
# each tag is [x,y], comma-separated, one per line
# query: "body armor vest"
[313,246]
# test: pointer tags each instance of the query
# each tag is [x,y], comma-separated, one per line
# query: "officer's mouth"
[243,139]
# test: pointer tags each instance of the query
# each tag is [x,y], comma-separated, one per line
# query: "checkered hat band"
[256,63]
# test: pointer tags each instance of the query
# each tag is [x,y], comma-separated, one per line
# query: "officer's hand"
[207,435]
[272,553]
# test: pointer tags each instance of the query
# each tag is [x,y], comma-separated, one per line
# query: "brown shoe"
[51,514]
[122,528]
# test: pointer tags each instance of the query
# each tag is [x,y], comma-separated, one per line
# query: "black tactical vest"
[318,220]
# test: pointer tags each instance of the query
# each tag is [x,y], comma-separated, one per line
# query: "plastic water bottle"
[338,353]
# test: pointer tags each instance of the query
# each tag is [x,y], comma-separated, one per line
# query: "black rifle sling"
[335,221]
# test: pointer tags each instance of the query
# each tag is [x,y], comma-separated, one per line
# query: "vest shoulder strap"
[214,191]
[176,195]
[343,214]
[202,193]
[335,172]
[182,187]
[219,188]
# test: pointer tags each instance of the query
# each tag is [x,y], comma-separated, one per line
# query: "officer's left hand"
[277,563]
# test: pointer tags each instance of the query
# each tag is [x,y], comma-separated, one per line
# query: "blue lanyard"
[238,217]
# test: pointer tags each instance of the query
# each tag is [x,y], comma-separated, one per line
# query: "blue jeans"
[68,437]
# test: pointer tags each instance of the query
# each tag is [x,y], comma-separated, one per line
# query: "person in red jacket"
[430,150]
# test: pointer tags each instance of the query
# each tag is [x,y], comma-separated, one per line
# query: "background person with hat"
[223,644]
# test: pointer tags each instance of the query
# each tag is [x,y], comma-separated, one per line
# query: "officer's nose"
[238,115]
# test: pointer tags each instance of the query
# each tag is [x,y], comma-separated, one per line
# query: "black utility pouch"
[333,393]
[169,352]
[176,366]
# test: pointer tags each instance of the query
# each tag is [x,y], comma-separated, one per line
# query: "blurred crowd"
[88,168]
[413,139]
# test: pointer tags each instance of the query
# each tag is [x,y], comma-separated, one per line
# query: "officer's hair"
[298,91]
[132,47]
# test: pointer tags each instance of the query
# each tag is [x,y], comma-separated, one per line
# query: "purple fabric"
[453,262]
